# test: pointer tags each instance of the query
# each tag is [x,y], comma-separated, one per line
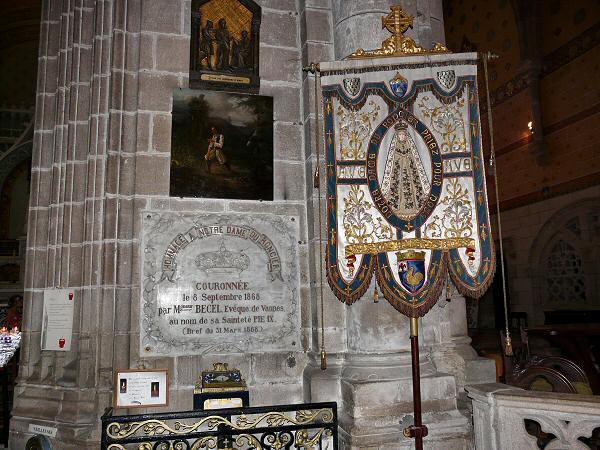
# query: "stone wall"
[530,233]
[107,69]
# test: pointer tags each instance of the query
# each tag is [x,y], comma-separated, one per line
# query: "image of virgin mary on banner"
[406,194]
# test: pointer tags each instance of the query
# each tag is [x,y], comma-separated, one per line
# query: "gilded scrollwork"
[279,440]
[155,427]
[205,442]
[457,218]
[448,122]
[359,225]
[408,244]
[355,128]
[398,22]
[261,430]
[276,419]
[307,442]
[247,439]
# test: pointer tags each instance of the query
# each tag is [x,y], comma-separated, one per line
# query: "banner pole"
[417,431]
[314,69]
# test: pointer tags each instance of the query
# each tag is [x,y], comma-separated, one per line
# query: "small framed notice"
[57,322]
[141,388]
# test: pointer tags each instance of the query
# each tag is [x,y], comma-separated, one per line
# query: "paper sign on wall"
[57,322]
[140,388]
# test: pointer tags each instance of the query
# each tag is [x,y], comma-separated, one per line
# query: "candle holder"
[10,341]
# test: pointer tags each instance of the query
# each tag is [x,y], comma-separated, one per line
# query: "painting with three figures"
[224,45]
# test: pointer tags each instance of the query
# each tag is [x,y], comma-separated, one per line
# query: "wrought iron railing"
[304,426]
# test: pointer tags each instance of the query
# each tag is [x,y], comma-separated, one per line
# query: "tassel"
[376,295]
[323,360]
[316,178]
[508,350]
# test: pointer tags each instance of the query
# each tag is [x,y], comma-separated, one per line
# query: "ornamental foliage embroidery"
[359,226]
[457,220]
[355,128]
[447,121]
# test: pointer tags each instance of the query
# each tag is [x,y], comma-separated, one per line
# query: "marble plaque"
[219,283]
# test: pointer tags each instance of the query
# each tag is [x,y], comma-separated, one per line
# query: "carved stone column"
[357,24]
[451,348]
[371,379]
[80,233]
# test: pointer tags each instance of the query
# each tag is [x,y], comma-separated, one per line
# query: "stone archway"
[563,259]
[13,164]
[13,158]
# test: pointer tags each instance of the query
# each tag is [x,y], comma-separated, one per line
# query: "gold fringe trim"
[341,294]
[481,288]
[415,309]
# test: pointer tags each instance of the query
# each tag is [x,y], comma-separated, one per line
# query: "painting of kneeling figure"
[221,145]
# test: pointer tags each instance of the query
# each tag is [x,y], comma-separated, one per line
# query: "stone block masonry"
[102,155]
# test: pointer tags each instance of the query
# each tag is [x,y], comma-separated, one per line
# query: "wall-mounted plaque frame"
[138,388]
[57,321]
[224,47]
[219,283]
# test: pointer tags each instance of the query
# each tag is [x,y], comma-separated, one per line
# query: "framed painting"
[221,145]
[224,45]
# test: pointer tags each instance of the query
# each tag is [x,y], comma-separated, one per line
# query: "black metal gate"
[281,427]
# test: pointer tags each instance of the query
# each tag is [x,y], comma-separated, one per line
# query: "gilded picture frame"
[224,45]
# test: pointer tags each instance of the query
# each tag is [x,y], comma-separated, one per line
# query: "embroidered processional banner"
[406,194]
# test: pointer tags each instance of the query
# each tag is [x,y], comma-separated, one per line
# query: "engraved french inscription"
[219,283]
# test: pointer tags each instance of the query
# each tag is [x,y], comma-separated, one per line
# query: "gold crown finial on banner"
[397,22]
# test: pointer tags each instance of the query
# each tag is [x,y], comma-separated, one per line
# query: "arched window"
[565,280]
[564,269]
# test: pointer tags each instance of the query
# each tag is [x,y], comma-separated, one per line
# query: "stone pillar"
[369,371]
[450,345]
[357,24]
[317,44]
[107,70]
[85,174]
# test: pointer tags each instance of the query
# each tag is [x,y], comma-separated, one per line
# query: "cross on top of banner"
[397,22]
